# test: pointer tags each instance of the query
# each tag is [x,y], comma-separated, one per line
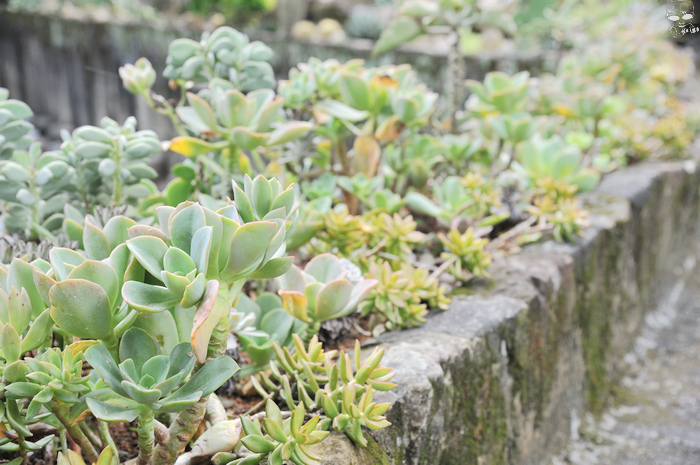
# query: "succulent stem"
[75,433]
[112,344]
[23,450]
[181,431]
[147,437]
[106,436]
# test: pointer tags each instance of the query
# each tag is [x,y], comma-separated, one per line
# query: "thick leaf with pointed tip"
[400,31]
[340,110]
[21,275]
[332,299]
[273,268]
[359,292]
[102,362]
[114,408]
[288,132]
[10,343]
[38,333]
[141,394]
[295,303]
[293,279]
[147,297]
[81,308]
[194,291]
[248,248]
[43,283]
[194,147]
[325,268]
[63,261]
[183,225]
[95,242]
[149,251]
[116,230]
[208,379]
[200,247]
[162,327]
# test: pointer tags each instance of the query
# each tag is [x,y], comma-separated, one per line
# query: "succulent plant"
[111,163]
[224,53]
[200,258]
[342,389]
[499,93]
[234,122]
[34,186]
[472,197]
[396,236]
[564,215]
[313,81]
[321,290]
[466,253]
[283,440]
[139,77]
[382,102]
[144,382]
[554,158]
[393,302]
[69,457]
[269,323]
[54,375]
[14,129]
[343,233]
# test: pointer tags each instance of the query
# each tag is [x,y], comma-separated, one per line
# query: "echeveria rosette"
[200,259]
[554,158]
[240,122]
[145,382]
[499,94]
[322,290]
[144,377]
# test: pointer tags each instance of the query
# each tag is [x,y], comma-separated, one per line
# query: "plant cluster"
[119,302]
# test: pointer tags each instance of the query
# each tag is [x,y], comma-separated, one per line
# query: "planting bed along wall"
[220,318]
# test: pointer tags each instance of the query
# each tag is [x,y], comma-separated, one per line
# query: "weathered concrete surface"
[503,375]
[656,417]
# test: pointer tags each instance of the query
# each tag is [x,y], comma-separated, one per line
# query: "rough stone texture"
[504,376]
[657,404]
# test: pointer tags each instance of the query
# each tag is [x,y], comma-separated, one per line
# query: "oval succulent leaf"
[99,273]
[248,247]
[332,300]
[149,251]
[139,346]
[81,308]
[147,297]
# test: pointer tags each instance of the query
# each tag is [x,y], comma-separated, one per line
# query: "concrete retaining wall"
[504,374]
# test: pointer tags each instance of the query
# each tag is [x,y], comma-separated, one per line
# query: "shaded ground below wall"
[656,419]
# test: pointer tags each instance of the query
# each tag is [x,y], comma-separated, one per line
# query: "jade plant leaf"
[81,308]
